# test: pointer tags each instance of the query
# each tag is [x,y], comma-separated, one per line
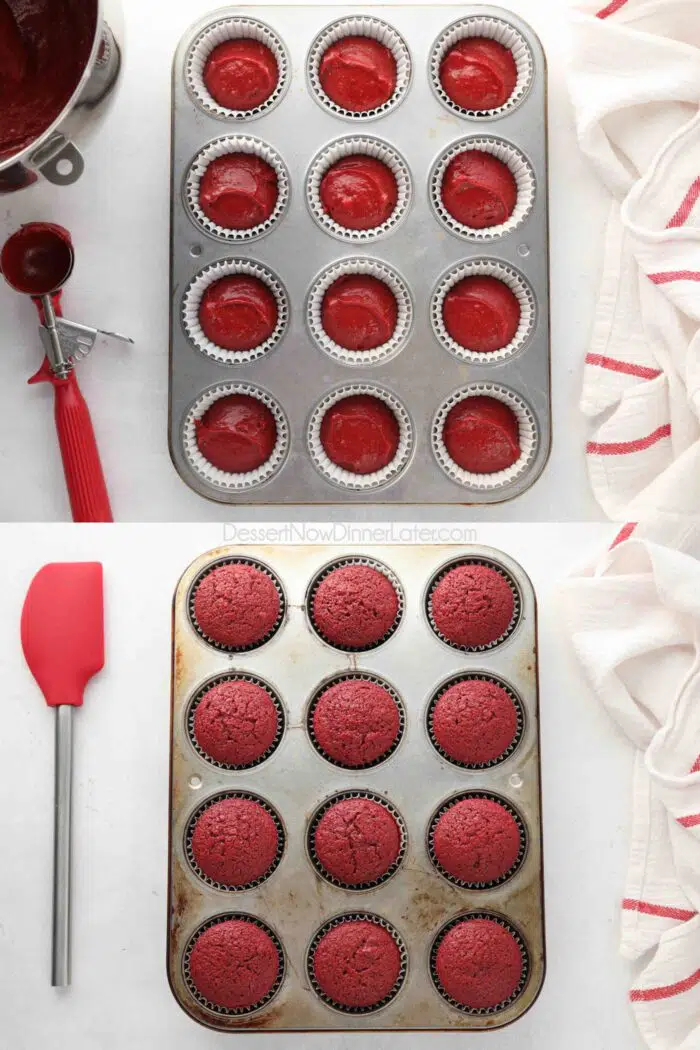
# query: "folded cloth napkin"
[635,85]
[634,618]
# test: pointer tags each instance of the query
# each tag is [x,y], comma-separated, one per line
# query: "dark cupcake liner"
[223,1010]
[338,921]
[202,808]
[517,603]
[484,1011]
[346,676]
[323,809]
[235,676]
[476,677]
[341,563]
[514,813]
[242,560]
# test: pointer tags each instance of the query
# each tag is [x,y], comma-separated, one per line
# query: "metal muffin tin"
[297,373]
[295,780]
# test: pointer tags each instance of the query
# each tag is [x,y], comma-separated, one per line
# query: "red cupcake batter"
[474,722]
[241,74]
[356,722]
[359,193]
[357,841]
[359,312]
[234,964]
[236,605]
[360,434]
[236,722]
[238,191]
[235,841]
[479,963]
[357,963]
[358,73]
[238,434]
[238,313]
[479,190]
[472,605]
[482,435]
[355,606]
[45,46]
[476,840]
[481,313]
[479,73]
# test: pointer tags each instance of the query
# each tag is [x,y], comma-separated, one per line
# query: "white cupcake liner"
[518,286]
[221,479]
[360,26]
[352,147]
[219,32]
[492,29]
[528,436]
[193,300]
[345,478]
[373,268]
[522,173]
[220,148]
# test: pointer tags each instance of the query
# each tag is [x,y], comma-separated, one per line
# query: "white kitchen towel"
[635,86]
[634,618]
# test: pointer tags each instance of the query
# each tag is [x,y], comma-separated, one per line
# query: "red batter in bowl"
[235,842]
[479,964]
[241,74]
[479,73]
[359,193]
[237,434]
[358,73]
[236,722]
[476,841]
[360,434]
[355,606]
[479,190]
[236,605]
[474,722]
[238,191]
[238,313]
[359,312]
[356,722]
[234,964]
[472,605]
[357,841]
[482,435]
[357,963]
[481,313]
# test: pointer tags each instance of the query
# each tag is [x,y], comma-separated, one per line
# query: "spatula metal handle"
[60,969]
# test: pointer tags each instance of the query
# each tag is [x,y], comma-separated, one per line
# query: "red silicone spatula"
[63,643]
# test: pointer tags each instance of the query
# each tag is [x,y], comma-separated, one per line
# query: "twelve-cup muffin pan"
[419,253]
[296,900]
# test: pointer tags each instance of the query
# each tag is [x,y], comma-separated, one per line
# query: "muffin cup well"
[341,796]
[342,563]
[254,564]
[491,797]
[456,563]
[477,676]
[235,676]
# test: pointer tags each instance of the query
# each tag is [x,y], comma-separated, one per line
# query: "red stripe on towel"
[660,910]
[614,365]
[650,995]
[688,203]
[695,768]
[674,275]
[690,821]
[622,448]
[624,534]
[611,8]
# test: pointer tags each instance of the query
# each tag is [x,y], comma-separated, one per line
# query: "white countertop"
[119,214]
[120,997]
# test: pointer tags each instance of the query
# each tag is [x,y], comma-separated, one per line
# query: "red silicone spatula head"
[63,629]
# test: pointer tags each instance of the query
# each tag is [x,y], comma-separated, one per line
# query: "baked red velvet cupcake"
[359,312]
[479,190]
[360,434]
[357,964]
[356,841]
[236,722]
[356,723]
[238,313]
[476,841]
[472,605]
[238,191]
[237,434]
[241,74]
[235,964]
[355,607]
[482,435]
[235,842]
[358,73]
[478,73]
[359,192]
[237,605]
[481,314]
[474,722]
[479,964]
